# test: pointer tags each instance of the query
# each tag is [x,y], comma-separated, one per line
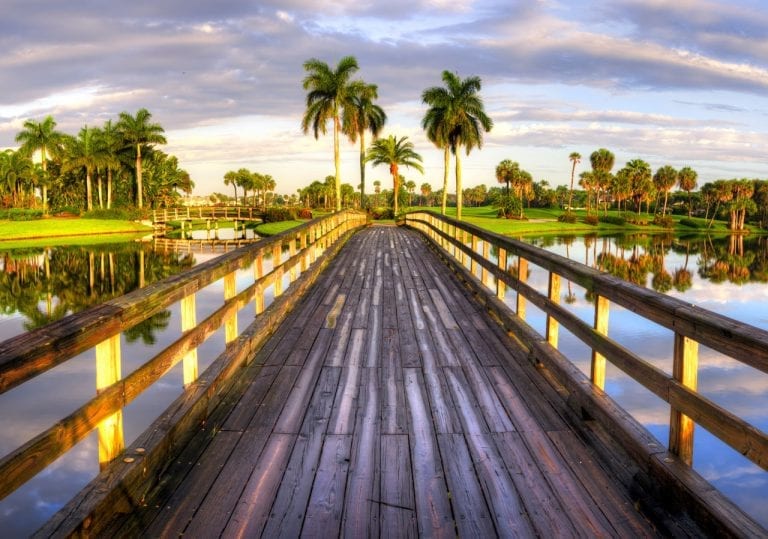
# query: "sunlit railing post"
[258,272]
[303,250]
[111,440]
[522,276]
[486,256]
[685,369]
[501,286]
[277,253]
[473,262]
[189,321]
[601,326]
[291,254]
[554,297]
[230,290]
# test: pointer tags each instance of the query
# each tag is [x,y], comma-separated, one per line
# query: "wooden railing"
[187,213]
[469,248]
[308,247]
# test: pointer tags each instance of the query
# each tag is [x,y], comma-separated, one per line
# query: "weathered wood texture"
[387,405]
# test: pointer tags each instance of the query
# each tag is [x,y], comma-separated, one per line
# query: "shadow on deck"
[388,403]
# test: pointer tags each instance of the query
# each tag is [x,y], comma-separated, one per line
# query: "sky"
[683,83]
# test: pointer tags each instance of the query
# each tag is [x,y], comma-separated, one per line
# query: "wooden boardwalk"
[388,404]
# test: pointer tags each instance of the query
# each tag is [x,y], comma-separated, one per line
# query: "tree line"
[114,165]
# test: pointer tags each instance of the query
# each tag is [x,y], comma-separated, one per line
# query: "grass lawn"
[40,232]
[270,229]
[544,220]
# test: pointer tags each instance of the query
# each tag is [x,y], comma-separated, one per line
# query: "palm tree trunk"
[396,188]
[570,193]
[337,159]
[447,163]
[109,188]
[362,170]
[99,190]
[45,179]
[139,184]
[88,191]
[664,211]
[459,194]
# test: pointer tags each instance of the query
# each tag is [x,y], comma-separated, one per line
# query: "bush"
[305,213]
[275,214]
[383,213]
[20,214]
[567,218]
[686,221]
[591,220]
[121,214]
[613,220]
[664,221]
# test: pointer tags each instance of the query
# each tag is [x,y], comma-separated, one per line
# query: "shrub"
[685,221]
[591,220]
[305,213]
[20,214]
[567,218]
[275,214]
[383,213]
[664,221]
[613,220]
[122,214]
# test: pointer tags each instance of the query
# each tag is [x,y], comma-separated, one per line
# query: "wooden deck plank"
[397,505]
[326,502]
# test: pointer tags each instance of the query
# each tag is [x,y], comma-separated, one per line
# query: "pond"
[727,275]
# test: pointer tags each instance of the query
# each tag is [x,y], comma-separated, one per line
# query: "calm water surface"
[39,286]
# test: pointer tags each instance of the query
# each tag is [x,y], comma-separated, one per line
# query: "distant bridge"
[224,213]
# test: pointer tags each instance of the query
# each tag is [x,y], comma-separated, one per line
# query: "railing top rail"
[741,341]
[24,356]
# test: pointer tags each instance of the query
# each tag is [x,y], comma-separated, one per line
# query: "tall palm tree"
[395,153]
[640,182]
[82,152]
[230,178]
[377,190]
[456,118]
[575,159]
[426,191]
[686,180]
[664,180]
[329,94]
[110,143]
[16,169]
[138,131]
[602,163]
[505,171]
[361,114]
[44,137]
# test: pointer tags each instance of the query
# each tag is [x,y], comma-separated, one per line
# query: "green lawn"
[544,220]
[270,229]
[67,231]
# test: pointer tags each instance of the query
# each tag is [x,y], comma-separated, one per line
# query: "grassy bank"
[60,231]
[270,229]
[544,220]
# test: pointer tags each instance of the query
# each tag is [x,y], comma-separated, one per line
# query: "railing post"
[472,262]
[501,286]
[601,326]
[258,272]
[111,440]
[303,249]
[554,297]
[486,256]
[685,369]
[230,290]
[522,276]
[291,254]
[276,261]
[189,321]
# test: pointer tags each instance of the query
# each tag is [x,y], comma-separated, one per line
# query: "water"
[727,275]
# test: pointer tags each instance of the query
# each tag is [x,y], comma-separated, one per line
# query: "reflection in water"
[725,274]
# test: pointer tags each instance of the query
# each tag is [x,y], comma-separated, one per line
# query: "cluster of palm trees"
[520,181]
[69,164]
[259,184]
[455,120]
[635,181]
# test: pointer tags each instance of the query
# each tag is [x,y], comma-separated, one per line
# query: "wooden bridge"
[389,390]
[199,213]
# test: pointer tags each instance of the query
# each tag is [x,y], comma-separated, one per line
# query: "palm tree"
[268,184]
[82,152]
[44,137]
[377,190]
[686,180]
[426,191]
[361,114]
[664,180]
[602,164]
[137,131]
[329,94]
[395,153]
[575,159]
[456,118]
[505,171]
[16,169]
[110,142]
[640,183]
[230,178]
